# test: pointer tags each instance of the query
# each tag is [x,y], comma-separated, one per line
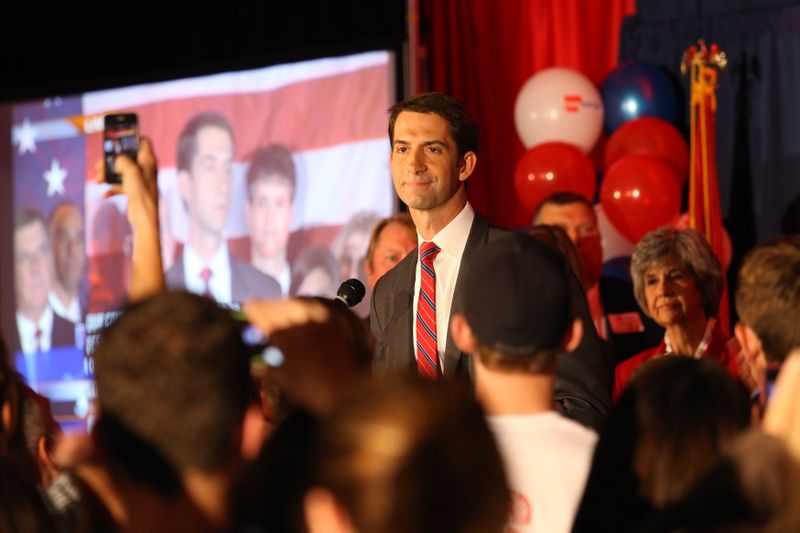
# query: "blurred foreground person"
[404,455]
[768,304]
[668,429]
[678,282]
[516,329]
[172,379]
[326,350]
[755,487]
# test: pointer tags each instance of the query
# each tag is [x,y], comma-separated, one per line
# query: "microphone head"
[351,292]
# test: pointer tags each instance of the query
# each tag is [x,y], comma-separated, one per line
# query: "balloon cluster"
[560,115]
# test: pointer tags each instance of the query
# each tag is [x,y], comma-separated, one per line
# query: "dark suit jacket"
[583,377]
[392,307]
[246,281]
[62,334]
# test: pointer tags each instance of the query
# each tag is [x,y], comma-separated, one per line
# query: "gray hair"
[692,250]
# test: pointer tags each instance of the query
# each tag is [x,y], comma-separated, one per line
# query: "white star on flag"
[27,137]
[55,179]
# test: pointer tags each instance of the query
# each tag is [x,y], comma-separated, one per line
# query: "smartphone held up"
[120,136]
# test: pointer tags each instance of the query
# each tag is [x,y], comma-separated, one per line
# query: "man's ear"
[467,165]
[573,336]
[323,513]
[748,341]
[463,336]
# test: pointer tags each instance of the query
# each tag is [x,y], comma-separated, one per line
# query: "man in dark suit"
[434,143]
[206,266]
[38,329]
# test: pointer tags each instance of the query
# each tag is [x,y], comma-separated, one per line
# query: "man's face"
[66,233]
[269,213]
[580,223]
[32,268]
[394,243]
[424,164]
[207,188]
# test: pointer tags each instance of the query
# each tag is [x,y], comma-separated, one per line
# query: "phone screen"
[121,136]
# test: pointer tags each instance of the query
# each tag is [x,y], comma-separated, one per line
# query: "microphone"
[351,292]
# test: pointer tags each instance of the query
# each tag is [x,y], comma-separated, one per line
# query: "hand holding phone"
[120,136]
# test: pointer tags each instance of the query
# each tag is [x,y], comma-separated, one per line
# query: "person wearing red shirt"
[678,282]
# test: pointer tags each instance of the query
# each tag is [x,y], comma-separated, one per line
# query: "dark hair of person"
[405,455]
[22,508]
[560,199]
[187,141]
[172,374]
[557,238]
[670,426]
[271,162]
[461,125]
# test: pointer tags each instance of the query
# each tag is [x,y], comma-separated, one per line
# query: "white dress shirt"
[27,332]
[285,280]
[71,312]
[220,266]
[451,240]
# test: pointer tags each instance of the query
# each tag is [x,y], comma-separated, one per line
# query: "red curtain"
[483,51]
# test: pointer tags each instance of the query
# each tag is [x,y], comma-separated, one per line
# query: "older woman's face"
[671,293]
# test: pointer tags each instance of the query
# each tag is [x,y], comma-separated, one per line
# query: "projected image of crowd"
[498,384]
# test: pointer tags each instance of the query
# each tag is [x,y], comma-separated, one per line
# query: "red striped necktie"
[427,354]
[206,274]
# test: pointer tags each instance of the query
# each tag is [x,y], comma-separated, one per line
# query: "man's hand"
[318,363]
[139,185]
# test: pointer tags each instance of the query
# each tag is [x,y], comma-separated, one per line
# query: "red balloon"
[553,167]
[649,136]
[639,194]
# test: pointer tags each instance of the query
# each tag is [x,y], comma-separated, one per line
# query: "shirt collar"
[194,264]
[452,238]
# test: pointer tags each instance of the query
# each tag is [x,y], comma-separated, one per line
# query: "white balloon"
[613,242]
[559,104]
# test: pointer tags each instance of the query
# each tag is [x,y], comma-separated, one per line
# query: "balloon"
[639,194]
[636,89]
[614,244]
[559,104]
[553,167]
[650,136]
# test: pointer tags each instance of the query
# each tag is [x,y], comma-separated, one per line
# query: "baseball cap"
[517,295]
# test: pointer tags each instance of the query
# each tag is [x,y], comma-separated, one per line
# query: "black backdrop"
[60,48]
[758,113]
[758,102]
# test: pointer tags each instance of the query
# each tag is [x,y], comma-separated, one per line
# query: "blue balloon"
[636,89]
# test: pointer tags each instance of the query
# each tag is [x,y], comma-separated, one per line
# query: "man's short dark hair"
[273,161]
[172,373]
[559,199]
[187,141]
[461,125]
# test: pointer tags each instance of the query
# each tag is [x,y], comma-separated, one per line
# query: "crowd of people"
[502,384]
